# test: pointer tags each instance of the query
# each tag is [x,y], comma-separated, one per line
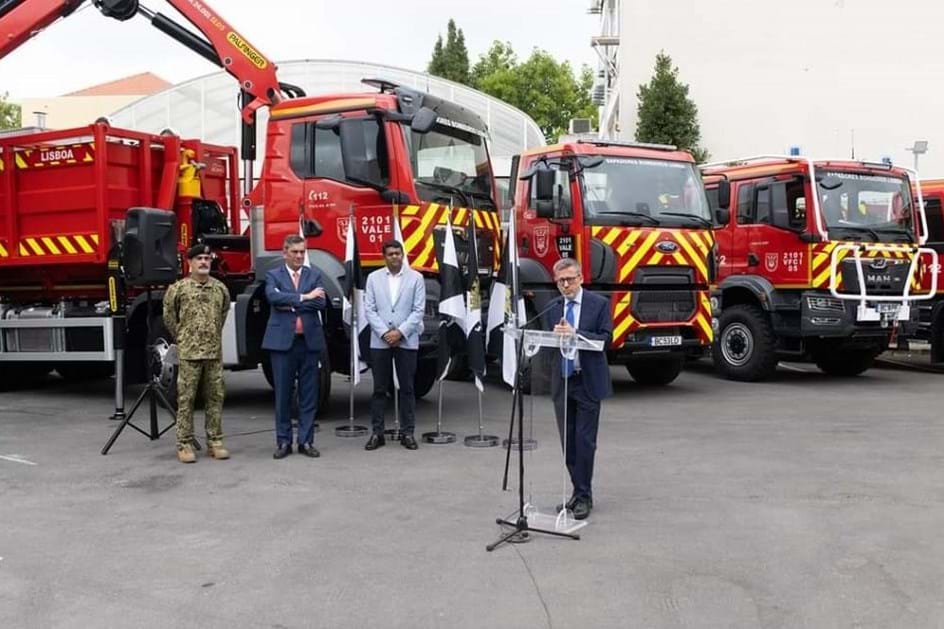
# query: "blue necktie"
[568,364]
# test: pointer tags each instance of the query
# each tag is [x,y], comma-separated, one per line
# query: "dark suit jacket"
[596,323]
[285,304]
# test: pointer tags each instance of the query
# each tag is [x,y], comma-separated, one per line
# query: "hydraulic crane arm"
[22,19]
[225,46]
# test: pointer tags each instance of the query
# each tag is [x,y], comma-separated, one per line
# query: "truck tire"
[656,372]
[162,358]
[425,377]
[324,382]
[745,349]
[846,364]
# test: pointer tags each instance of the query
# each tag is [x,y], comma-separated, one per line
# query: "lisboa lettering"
[56,155]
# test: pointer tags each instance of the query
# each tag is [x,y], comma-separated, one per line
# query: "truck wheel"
[162,359]
[745,348]
[425,377]
[846,364]
[656,372]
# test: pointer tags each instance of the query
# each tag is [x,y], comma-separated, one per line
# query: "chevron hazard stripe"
[417,223]
[48,246]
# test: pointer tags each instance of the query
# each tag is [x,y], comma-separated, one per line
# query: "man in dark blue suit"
[587,377]
[294,338]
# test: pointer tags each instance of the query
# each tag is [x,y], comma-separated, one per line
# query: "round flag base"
[439,437]
[481,441]
[393,434]
[522,537]
[348,431]
[529,444]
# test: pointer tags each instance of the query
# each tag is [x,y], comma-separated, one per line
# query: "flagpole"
[512,243]
[352,430]
[480,440]
[439,437]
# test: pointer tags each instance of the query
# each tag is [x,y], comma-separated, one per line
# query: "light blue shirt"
[577,299]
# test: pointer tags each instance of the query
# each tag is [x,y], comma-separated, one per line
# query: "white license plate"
[665,341]
[888,308]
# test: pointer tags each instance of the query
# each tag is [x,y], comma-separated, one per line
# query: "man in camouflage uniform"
[194,312]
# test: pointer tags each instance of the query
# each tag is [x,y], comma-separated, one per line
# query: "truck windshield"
[450,165]
[656,191]
[865,202]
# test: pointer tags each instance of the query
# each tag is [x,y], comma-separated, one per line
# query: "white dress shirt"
[393,283]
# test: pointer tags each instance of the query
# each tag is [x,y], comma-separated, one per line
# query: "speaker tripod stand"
[152,393]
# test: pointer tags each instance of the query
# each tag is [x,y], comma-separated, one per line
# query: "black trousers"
[382,361]
[580,445]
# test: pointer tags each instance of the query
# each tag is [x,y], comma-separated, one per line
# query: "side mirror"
[424,120]
[724,194]
[358,166]
[544,180]
[722,216]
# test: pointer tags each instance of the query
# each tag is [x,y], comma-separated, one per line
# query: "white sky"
[88,48]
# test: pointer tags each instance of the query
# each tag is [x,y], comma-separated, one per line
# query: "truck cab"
[928,326]
[817,261]
[636,218]
[393,155]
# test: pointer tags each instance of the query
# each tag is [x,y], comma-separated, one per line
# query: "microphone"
[539,315]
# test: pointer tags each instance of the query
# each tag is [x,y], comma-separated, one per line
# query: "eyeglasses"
[563,281]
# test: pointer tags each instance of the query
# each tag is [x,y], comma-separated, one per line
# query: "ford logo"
[667,247]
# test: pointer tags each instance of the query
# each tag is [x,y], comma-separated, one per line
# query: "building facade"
[832,77]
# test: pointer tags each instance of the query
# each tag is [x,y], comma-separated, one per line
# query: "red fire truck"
[818,260]
[391,152]
[929,324]
[636,218]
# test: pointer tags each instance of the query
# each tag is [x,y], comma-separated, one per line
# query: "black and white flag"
[354,300]
[475,335]
[451,303]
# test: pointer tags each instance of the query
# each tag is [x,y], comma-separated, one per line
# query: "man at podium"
[587,377]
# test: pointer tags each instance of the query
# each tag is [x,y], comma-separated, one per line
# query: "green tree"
[665,114]
[10,114]
[544,89]
[450,60]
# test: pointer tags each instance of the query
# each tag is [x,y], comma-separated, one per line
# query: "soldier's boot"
[216,450]
[185,454]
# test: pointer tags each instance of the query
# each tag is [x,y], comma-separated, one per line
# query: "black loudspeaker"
[150,247]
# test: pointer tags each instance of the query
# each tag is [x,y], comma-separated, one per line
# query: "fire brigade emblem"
[541,240]
[771,262]
[342,227]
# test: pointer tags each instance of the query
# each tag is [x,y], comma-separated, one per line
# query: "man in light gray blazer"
[394,303]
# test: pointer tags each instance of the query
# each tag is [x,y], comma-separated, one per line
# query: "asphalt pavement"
[806,501]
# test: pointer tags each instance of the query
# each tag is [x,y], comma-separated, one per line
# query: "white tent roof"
[206,107]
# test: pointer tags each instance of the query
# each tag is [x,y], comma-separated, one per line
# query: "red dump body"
[64,196]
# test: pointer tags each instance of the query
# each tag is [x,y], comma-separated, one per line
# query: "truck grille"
[663,306]
[882,276]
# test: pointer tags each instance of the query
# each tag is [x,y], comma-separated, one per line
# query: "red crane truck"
[64,195]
